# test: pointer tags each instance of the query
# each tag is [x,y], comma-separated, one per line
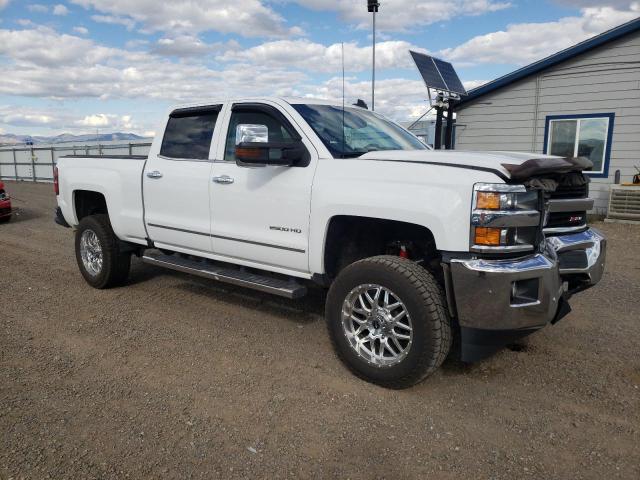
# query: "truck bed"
[118,178]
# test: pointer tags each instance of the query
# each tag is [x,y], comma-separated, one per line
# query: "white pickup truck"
[420,249]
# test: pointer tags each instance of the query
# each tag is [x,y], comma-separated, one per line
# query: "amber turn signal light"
[487,236]
[488,201]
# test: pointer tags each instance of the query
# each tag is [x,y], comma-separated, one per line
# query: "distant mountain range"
[11,139]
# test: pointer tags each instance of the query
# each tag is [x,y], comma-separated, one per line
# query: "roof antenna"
[343,139]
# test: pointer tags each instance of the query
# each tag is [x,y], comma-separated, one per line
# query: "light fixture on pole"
[372,7]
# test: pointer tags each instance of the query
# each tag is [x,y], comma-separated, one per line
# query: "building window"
[581,136]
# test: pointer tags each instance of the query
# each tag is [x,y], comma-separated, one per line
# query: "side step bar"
[203,268]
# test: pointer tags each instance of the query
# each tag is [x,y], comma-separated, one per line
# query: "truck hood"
[507,165]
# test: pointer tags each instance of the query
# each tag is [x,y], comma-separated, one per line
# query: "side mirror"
[254,149]
[247,132]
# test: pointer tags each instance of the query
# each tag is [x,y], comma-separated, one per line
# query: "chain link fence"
[36,163]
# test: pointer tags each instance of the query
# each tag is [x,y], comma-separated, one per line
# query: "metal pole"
[448,133]
[53,163]
[373,72]
[33,166]
[15,163]
[437,142]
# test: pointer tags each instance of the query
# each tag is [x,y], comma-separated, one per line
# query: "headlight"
[504,218]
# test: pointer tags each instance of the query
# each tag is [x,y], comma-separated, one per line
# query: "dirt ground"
[178,377]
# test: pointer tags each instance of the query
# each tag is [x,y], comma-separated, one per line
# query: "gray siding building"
[582,101]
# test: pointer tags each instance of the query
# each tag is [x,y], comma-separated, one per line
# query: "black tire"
[5,219]
[115,264]
[425,302]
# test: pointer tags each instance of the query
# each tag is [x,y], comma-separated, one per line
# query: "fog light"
[525,292]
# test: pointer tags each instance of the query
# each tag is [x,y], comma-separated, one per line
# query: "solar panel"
[428,70]
[437,73]
[450,76]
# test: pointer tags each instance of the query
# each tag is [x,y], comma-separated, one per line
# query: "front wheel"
[98,254]
[388,322]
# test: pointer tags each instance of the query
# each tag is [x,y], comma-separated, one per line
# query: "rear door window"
[188,134]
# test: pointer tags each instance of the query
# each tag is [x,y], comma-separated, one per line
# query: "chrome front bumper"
[526,293]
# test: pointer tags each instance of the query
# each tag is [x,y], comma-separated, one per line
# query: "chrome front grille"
[567,209]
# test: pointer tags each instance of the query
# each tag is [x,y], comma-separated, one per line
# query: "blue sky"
[116,65]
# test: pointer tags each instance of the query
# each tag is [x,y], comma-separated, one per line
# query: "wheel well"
[88,203]
[351,238]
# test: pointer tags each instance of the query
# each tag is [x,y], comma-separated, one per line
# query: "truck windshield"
[363,131]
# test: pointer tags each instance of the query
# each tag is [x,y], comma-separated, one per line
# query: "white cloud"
[96,120]
[108,121]
[38,8]
[189,46]
[81,30]
[400,15]
[60,10]
[619,4]
[524,43]
[245,17]
[113,20]
[317,57]
[3,3]
[45,47]
[25,119]
[62,120]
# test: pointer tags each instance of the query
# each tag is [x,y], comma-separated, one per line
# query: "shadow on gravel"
[24,215]
[302,311]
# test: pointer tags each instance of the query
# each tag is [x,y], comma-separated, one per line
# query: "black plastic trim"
[117,157]
[222,237]
[59,218]
[193,111]
[477,344]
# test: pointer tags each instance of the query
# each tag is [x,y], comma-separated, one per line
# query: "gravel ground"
[178,377]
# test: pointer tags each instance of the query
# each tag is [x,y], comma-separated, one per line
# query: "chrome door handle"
[154,174]
[224,179]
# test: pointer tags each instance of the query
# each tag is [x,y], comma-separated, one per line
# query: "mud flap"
[477,344]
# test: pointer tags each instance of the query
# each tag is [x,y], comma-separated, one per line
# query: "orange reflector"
[487,236]
[488,201]
[252,153]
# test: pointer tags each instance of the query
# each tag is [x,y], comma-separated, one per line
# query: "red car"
[5,205]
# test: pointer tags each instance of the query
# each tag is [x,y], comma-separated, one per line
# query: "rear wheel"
[98,254]
[388,322]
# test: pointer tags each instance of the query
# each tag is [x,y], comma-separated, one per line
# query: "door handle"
[154,174]
[224,179]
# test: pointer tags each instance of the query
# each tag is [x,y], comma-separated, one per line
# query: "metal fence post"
[130,149]
[33,166]
[53,164]
[15,163]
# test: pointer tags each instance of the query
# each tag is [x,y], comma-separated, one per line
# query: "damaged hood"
[515,166]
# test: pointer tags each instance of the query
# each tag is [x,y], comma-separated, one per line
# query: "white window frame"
[577,139]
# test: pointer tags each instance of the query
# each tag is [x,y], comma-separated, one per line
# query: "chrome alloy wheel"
[377,325]
[91,252]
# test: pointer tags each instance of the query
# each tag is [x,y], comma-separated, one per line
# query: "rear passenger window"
[189,134]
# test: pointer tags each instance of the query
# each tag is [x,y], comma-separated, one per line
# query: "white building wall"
[603,80]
